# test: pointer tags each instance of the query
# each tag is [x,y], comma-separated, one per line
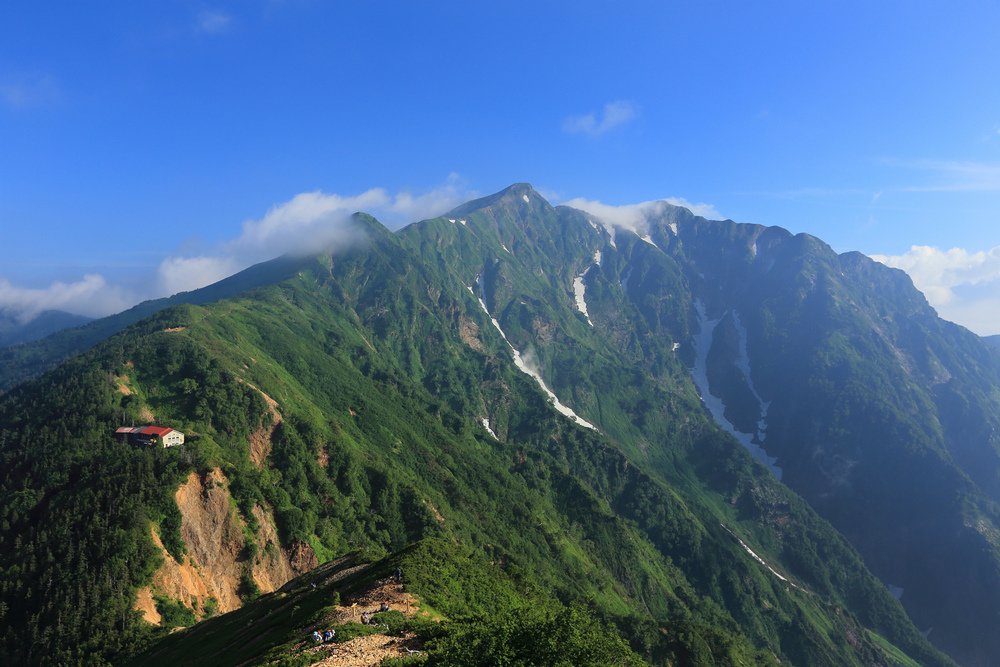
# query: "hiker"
[384,606]
[399,575]
[328,636]
[317,637]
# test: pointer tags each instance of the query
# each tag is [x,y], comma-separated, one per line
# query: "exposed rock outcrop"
[144,603]
[260,440]
[215,561]
[213,536]
[273,565]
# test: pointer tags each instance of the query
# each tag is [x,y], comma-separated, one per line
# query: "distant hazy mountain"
[527,383]
[14,332]
[37,356]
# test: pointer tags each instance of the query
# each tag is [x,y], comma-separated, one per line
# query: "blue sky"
[147,147]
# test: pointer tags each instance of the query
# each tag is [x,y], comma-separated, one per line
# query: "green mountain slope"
[881,415]
[32,357]
[497,619]
[403,372]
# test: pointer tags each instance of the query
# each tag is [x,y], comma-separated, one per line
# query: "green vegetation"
[174,614]
[211,607]
[883,416]
[524,637]
[546,544]
[518,628]
[21,362]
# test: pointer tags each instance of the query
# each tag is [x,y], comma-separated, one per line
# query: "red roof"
[158,431]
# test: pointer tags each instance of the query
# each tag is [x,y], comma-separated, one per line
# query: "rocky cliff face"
[217,563]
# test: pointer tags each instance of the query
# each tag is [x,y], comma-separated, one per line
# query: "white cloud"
[183,274]
[213,22]
[309,222]
[595,124]
[704,210]
[91,296]
[637,217]
[963,286]
[407,207]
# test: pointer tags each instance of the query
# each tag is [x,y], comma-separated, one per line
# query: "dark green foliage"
[170,528]
[174,614]
[76,513]
[248,589]
[211,607]
[456,580]
[525,637]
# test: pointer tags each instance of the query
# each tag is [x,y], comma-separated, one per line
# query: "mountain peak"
[513,197]
[518,188]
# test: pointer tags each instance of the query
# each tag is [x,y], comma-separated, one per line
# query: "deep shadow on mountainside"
[14,331]
[398,393]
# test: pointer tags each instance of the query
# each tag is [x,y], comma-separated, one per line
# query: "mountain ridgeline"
[14,332]
[508,400]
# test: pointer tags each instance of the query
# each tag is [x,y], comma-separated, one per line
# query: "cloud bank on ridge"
[962,285]
[636,217]
[309,222]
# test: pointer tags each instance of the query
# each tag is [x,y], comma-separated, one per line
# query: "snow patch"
[486,425]
[702,344]
[579,292]
[529,369]
[451,220]
[525,198]
[753,249]
[505,248]
[759,559]
[598,256]
[673,228]
[649,239]
[462,222]
[743,363]
[675,347]
[592,224]
[610,229]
